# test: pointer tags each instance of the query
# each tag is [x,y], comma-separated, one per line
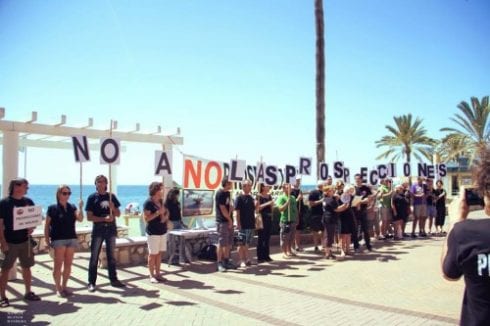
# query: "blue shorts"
[245,237]
[431,211]
[65,243]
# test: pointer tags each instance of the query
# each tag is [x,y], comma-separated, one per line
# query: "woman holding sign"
[60,234]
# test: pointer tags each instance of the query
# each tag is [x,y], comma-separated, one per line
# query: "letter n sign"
[163,163]
[81,148]
[109,150]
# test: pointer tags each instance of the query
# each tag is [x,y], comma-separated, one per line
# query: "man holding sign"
[102,209]
[15,243]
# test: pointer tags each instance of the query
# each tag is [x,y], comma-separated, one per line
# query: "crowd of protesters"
[339,215]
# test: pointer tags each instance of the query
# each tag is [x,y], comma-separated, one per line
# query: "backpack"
[208,252]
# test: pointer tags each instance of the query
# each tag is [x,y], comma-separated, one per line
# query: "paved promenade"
[398,284]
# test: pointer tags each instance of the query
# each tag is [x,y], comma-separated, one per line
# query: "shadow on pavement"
[189,284]
[181,303]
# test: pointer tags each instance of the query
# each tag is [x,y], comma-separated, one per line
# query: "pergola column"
[10,159]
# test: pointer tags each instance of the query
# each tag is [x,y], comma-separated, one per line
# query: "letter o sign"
[109,151]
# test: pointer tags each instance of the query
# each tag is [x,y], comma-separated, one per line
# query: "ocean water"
[45,195]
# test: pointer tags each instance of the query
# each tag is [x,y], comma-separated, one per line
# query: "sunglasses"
[66,193]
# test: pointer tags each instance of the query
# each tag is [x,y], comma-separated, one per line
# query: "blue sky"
[238,77]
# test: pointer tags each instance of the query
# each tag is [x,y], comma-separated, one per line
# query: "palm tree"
[452,147]
[320,84]
[406,138]
[474,126]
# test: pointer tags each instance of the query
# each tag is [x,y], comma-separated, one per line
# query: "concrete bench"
[129,251]
[84,235]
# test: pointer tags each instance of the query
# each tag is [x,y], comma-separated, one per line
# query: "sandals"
[32,297]
[4,303]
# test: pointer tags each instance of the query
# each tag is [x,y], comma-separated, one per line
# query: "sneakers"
[246,264]
[117,284]
[228,264]
[153,280]
[91,288]
[269,259]
[30,296]
[61,294]
[221,267]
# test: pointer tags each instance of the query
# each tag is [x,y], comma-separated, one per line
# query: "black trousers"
[263,247]
[362,225]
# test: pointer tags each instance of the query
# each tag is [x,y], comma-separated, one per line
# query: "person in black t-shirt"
[264,205]
[466,252]
[245,219]
[440,197]
[156,217]
[330,219]
[361,212]
[400,206]
[224,225]
[315,199]
[60,234]
[173,206]
[300,223]
[102,209]
[15,243]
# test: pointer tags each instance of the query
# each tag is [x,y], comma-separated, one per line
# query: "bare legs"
[154,263]
[344,244]
[63,260]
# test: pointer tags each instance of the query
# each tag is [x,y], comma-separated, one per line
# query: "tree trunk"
[409,161]
[320,84]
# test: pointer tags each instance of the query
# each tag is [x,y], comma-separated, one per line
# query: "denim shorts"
[245,237]
[65,243]
[431,211]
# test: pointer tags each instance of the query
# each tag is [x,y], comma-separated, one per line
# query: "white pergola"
[18,135]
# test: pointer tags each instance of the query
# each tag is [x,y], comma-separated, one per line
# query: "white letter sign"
[27,217]
[163,163]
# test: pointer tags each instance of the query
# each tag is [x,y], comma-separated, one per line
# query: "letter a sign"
[163,163]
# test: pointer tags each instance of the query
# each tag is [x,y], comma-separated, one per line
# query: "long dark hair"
[173,196]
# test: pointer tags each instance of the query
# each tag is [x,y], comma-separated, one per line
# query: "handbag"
[259,223]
